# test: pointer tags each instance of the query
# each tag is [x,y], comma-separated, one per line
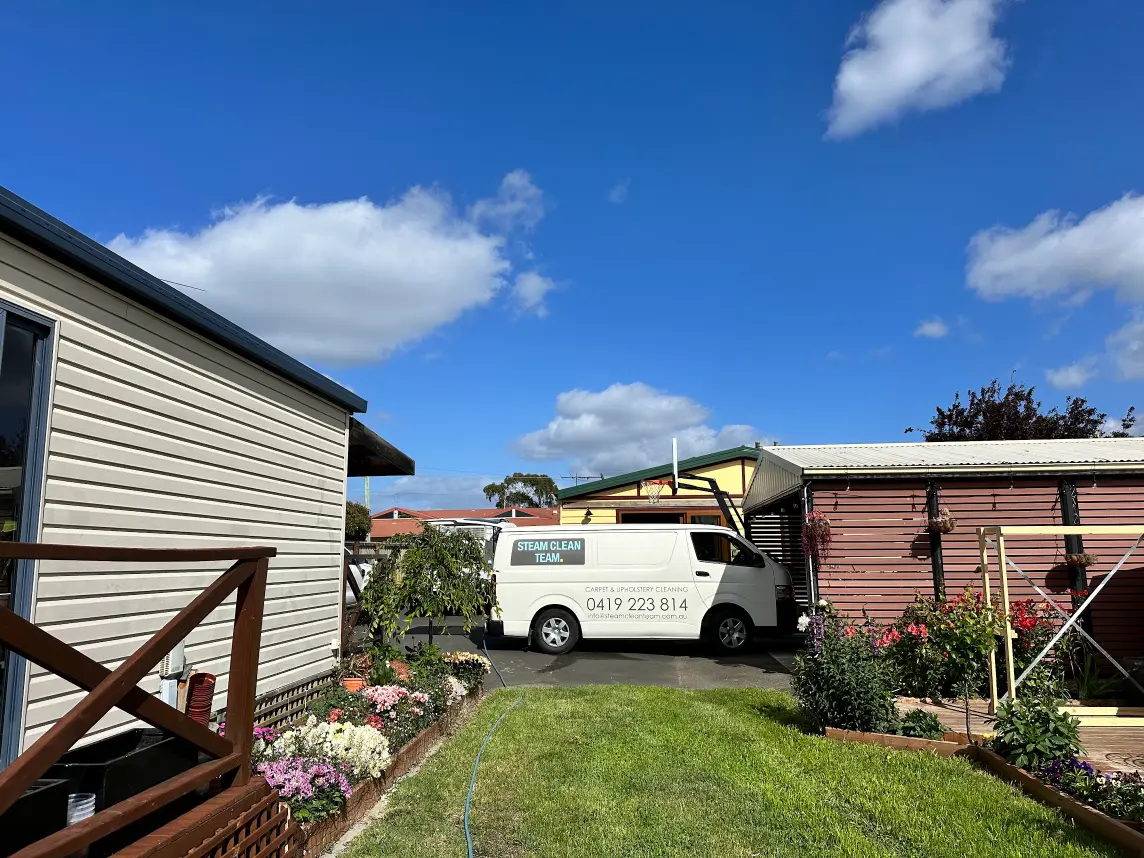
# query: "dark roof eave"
[370,455]
[39,230]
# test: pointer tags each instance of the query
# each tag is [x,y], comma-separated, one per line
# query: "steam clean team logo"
[547,552]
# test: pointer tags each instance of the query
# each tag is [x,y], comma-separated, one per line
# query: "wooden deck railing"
[119,687]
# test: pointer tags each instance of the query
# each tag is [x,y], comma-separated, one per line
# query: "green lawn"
[627,771]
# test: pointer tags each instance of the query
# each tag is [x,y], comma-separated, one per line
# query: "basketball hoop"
[653,489]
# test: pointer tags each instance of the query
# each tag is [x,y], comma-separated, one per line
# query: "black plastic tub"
[40,811]
[125,765]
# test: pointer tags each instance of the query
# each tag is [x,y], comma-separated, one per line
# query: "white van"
[556,585]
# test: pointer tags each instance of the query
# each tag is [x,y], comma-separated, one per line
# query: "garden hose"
[493,665]
[477,762]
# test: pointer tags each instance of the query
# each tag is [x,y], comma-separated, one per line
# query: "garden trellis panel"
[993,537]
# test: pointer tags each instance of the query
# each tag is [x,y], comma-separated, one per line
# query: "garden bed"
[317,837]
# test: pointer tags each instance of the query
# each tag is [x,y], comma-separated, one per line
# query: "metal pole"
[983,553]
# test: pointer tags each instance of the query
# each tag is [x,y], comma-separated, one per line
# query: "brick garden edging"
[317,837]
[1122,833]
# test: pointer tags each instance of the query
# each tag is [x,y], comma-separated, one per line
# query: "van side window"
[720,548]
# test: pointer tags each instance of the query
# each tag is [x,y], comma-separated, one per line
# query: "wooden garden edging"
[904,743]
[1100,824]
[317,837]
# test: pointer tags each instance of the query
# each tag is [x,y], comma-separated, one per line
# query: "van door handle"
[702,574]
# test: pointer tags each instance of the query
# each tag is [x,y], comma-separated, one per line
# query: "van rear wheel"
[555,631]
[730,631]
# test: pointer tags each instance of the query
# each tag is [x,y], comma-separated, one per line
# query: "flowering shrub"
[361,751]
[469,667]
[400,713]
[454,690]
[842,679]
[918,656]
[314,789]
[351,706]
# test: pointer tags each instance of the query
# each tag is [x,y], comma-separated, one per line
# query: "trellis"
[994,537]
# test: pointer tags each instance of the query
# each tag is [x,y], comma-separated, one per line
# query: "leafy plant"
[469,667]
[918,652]
[816,535]
[967,627]
[353,706]
[920,724]
[841,679]
[1085,670]
[357,521]
[1032,733]
[1119,794]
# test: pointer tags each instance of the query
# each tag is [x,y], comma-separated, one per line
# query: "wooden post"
[1003,569]
[935,541]
[243,679]
[983,553]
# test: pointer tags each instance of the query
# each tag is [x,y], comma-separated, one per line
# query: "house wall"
[880,556]
[1118,612]
[160,438]
[880,553]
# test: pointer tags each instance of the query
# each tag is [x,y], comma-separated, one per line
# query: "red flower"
[849,631]
[401,669]
[374,721]
[334,715]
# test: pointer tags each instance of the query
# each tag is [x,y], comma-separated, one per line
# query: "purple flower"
[1056,771]
[300,778]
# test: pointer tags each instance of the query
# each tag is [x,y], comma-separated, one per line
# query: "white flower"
[822,603]
[363,749]
[454,690]
[803,623]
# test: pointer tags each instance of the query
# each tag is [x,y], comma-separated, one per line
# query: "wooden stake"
[1003,569]
[983,553]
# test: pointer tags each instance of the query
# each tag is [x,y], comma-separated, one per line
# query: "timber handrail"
[119,688]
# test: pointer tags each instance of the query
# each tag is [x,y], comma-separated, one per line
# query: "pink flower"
[334,715]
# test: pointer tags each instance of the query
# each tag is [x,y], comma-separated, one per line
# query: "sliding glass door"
[24,343]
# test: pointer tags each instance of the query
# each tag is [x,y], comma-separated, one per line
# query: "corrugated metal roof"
[975,454]
[782,469]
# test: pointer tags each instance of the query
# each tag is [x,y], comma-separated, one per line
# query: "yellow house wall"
[576,516]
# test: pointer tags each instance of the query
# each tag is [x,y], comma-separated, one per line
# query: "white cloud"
[518,203]
[933,329]
[1126,346]
[625,427]
[1059,255]
[1072,376]
[529,290]
[619,192]
[346,281]
[915,55]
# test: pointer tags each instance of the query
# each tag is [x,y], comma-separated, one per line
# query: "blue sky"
[552,236]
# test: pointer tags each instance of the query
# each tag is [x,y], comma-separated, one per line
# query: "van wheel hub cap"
[555,631]
[733,632]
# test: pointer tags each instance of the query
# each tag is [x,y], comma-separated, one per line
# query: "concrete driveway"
[673,664]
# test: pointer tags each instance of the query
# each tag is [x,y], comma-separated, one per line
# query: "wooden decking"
[1107,748]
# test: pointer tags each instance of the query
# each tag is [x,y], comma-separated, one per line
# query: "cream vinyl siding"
[161,438]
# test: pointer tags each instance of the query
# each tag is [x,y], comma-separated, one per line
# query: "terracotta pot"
[353,683]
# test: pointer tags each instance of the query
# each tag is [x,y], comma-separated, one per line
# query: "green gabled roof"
[659,471]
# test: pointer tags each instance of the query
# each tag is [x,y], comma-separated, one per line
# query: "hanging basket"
[944,522]
[1083,559]
[816,535]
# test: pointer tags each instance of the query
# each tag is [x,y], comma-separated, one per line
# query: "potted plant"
[353,671]
[943,522]
[1082,559]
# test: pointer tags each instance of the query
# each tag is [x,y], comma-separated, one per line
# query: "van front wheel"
[555,631]
[730,631]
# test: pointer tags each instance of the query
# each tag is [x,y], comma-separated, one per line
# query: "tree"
[436,572]
[1017,416]
[523,490]
[357,521]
